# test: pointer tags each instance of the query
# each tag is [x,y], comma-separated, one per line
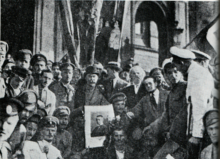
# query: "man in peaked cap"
[198,95]
[43,148]
[22,59]
[32,126]
[9,111]
[3,51]
[63,139]
[114,83]
[62,89]
[211,123]
[56,71]
[202,58]
[16,81]
[39,63]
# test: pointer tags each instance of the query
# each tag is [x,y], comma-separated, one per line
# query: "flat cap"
[61,111]
[118,97]
[20,71]
[114,65]
[49,121]
[98,65]
[23,54]
[67,66]
[211,117]
[3,47]
[166,61]
[10,107]
[34,118]
[201,55]
[182,53]
[41,112]
[56,64]
[92,70]
[28,97]
[38,57]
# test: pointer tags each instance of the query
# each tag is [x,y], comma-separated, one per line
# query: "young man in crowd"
[32,126]
[16,81]
[47,99]
[22,59]
[56,71]
[43,148]
[62,89]
[9,110]
[39,63]
[63,139]
[211,123]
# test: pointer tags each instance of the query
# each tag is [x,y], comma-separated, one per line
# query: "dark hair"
[46,71]
[6,62]
[99,116]
[154,70]
[168,66]
[146,77]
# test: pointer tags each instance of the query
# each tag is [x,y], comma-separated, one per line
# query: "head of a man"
[39,63]
[7,68]
[113,69]
[136,75]
[48,127]
[3,51]
[46,78]
[80,122]
[211,124]
[98,66]
[29,100]
[67,72]
[32,126]
[171,74]
[9,116]
[23,58]
[55,67]
[119,138]
[157,74]
[62,113]
[119,100]
[150,83]
[99,120]
[91,75]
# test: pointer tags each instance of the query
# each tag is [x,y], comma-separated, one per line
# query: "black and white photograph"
[109,79]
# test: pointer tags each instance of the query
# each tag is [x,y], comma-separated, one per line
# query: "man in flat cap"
[32,126]
[47,99]
[62,89]
[114,83]
[211,124]
[56,71]
[9,111]
[22,59]
[39,63]
[63,139]
[43,147]
[16,81]
[200,84]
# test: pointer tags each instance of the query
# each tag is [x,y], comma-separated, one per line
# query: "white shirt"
[115,81]
[119,154]
[136,88]
[156,95]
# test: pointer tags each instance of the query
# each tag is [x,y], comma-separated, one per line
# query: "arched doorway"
[152,33]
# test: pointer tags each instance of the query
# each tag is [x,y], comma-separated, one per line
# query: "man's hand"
[194,140]
[40,104]
[130,115]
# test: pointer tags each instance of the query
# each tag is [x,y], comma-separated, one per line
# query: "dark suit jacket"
[108,85]
[111,153]
[147,111]
[132,98]
[99,131]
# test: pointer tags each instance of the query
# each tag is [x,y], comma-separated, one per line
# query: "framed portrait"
[96,124]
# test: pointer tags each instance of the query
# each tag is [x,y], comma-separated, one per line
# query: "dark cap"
[61,111]
[41,112]
[49,121]
[113,65]
[127,68]
[10,107]
[118,97]
[23,54]
[28,97]
[92,70]
[34,118]
[7,62]
[56,64]
[38,57]
[20,71]
[67,66]
[211,117]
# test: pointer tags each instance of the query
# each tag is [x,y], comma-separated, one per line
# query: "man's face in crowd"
[56,69]
[125,76]
[136,76]
[26,113]
[48,133]
[8,66]
[119,106]
[110,73]
[67,75]
[99,120]
[80,122]
[213,132]
[158,76]
[16,82]
[47,78]
[23,63]
[2,59]
[92,79]
[39,66]
[150,85]
[63,121]
[7,126]
[119,137]
[31,128]
[173,76]
[77,76]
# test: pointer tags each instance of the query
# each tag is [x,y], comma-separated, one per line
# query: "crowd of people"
[169,112]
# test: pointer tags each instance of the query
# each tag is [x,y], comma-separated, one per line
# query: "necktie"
[153,101]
